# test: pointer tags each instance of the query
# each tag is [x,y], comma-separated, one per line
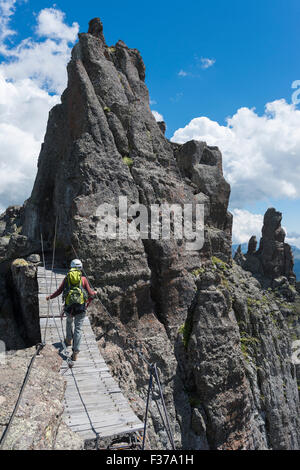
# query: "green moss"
[128,161]
[245,352]
[218,263]
[107,109]
[197,272]
[296,308]
[19,262]
[194,401]
[185,330]
[225,282]
[253,305]
[248,344]
[274,319]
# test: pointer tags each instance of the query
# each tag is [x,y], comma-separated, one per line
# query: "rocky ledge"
[38,422]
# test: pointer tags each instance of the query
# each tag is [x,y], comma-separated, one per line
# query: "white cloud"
[16,164]
[32,76]
[7,9]
[158,117]
[246,224]
[182,73]
[23,118]
[293,239]
[51,24]
[260,153]
[43,61]
[207,63]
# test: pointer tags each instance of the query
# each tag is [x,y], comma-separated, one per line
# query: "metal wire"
[147,406]
[168,427]
[61,339]
[140,354]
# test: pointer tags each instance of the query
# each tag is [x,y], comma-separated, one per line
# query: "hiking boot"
[75,356]
[68,342]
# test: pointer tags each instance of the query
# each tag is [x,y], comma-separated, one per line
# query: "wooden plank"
[86,432]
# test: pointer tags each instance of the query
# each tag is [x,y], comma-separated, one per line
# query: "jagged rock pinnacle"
[274,257]
[96,29]
[252,245]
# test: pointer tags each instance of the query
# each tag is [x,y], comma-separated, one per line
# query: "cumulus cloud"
[207,63]
[51,24]
[293,239]
[43,61]
[158,117]
[246,224]
[32,76]
[260,153]
[7,9]
[24,110]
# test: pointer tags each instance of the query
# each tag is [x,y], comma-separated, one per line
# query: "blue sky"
[252,49]
[255,44]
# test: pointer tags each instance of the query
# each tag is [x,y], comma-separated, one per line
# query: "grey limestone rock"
[38,422]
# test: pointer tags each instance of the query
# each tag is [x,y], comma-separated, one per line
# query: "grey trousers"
[76,333]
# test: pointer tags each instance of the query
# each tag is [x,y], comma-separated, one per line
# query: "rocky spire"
[274,257]
[96,29]
[252,245]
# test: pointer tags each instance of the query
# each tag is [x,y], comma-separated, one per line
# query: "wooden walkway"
[94,404]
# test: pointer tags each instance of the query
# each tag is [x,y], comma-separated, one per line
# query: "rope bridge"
[94,404]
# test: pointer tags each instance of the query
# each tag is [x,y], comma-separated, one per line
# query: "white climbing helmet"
[76,264]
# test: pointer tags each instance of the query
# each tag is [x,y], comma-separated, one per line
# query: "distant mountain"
[296,253]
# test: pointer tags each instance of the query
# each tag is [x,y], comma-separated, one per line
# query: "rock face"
[38,422]
[19,314]
[10,328]
[103,142]
[24,277]
[187,311]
